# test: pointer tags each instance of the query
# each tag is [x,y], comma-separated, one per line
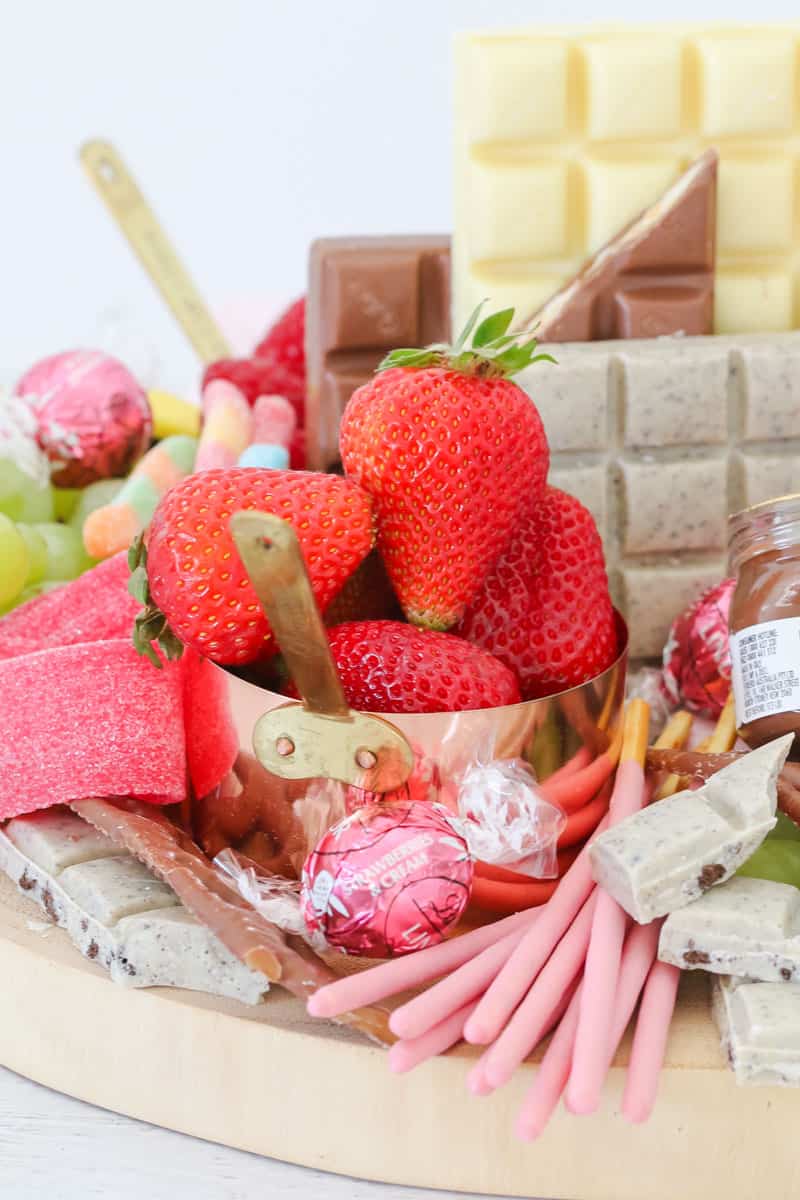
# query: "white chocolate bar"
[562,136]
[116,912]
[759,1024]
[661,439]
[747,927]
[667,855]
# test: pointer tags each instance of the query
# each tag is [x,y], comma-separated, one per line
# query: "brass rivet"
[366,759]
[284,746]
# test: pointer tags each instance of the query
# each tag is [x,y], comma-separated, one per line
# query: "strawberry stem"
[150,624]
[494,351]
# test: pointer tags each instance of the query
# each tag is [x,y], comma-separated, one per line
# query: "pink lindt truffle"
[388,879]
[94,419]
[697,657]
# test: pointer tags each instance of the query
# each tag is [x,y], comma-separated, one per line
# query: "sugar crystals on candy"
[96,606]
[89,720]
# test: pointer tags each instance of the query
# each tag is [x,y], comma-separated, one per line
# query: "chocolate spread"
[765,620]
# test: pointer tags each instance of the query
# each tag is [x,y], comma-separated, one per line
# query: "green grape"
[96,495]
[14,560]
[22,497]
[785,830]
[774,859]
[66,556]
[64,502]
[37,551]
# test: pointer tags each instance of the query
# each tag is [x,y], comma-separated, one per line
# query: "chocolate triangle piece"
[655,277]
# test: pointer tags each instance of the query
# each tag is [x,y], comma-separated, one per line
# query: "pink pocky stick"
[532,952]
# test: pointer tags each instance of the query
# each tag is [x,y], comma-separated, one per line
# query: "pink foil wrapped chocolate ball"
[94,419]
[697,657]
[388,879]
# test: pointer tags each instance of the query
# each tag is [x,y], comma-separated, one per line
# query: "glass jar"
[764,620]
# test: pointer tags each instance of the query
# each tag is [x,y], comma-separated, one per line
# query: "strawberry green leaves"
[494,351]
[150,624]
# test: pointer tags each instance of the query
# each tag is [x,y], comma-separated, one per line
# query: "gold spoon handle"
[137,221]
[271,554]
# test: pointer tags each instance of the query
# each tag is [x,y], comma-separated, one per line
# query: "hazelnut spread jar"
[765,620]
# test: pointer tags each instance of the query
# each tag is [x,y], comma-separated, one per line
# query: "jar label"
[765,662]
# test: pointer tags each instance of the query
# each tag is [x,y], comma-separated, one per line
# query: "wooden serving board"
[271,1081]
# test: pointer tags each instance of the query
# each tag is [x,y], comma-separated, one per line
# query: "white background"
[251,125]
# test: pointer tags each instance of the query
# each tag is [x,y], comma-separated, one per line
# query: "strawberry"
[366,596]
[545,609]
[192,581]
[390,667]
[285,340]
[453,454]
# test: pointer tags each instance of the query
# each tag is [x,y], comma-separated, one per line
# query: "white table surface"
[55,1148]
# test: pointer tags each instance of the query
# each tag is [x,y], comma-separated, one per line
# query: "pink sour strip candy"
[650,1042]
[593,1037]
[408,971]
[532,951]
[274,421]
[413,1019]
[529,1023]
[410,1052]
[227,426]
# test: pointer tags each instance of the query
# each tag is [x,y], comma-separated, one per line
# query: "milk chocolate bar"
[366,296]
[759,1026]
[116,912]
[671,853]
[747,927]
[563,135]
[656,277]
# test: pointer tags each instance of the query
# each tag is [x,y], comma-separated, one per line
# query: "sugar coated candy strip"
[94,607]
[91,719]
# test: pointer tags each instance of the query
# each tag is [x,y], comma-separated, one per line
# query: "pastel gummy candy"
[227,426]
[113,527]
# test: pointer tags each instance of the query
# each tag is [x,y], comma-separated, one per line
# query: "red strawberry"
[366,596]
[390,667]
[454,455]
[545,609]
[192,579]
[285,340]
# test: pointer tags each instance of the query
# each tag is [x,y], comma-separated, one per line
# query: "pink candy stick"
[409,1053]
[532,952]
[413,1019]
[274,421]
[650,1042]
[593,1036]
[411,970]
[530,1022]
[640,949]
[551,1077]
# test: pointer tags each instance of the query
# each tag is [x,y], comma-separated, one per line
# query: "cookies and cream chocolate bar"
[667,855]
[746,927]
[117,912]
[759,1024]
